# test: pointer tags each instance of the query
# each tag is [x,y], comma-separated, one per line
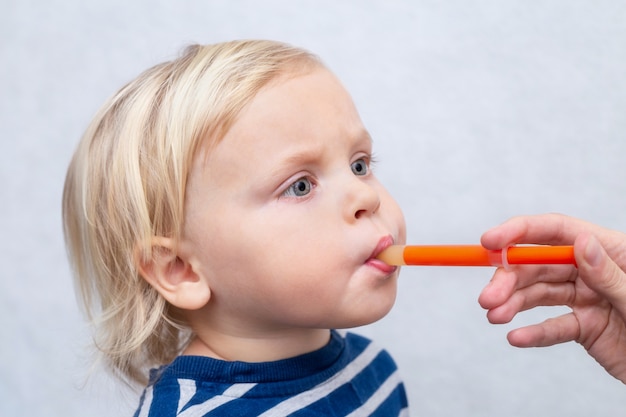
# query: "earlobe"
[173,275]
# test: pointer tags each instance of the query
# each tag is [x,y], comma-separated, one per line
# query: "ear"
[173,275]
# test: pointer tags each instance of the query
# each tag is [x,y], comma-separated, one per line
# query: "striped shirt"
[348,377]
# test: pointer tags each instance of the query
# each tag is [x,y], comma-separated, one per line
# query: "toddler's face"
[284,217]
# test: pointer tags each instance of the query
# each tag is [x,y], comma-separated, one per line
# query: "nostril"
[359,213]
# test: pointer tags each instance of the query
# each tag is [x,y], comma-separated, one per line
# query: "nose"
[361,199]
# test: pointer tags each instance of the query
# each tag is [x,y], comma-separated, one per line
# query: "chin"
[370,313]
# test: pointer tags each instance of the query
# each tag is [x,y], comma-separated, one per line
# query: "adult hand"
[595,290]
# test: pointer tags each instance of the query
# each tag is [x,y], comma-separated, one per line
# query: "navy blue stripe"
[280,381]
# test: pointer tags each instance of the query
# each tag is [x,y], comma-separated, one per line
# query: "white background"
[480,110]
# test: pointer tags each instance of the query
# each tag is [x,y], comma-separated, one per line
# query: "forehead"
[293,110]
[299,106]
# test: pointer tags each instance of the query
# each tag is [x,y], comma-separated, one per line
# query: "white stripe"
[340,378]
[147,402]
[187,389]
[381,394]
[232,393]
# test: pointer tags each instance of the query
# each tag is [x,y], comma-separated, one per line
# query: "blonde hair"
[126,183]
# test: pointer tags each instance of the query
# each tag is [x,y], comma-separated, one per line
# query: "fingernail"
[593,252]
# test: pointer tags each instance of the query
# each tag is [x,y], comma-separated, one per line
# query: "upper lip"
[383,244]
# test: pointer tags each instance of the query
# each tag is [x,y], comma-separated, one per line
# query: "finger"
[528,275]
[599,271]
[539,294]
[551,332]
[505,282]
[499,289]
[540,229]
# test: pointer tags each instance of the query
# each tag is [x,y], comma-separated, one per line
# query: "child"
[222,217]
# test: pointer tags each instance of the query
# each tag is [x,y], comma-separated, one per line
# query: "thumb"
[599,272]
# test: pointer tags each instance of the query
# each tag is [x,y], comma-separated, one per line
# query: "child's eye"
[359,167]
[300,188]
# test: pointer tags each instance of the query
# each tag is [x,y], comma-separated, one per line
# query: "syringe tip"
[393,255]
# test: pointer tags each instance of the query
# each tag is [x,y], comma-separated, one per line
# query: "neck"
[267,347]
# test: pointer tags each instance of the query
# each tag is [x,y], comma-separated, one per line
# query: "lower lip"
[381,266]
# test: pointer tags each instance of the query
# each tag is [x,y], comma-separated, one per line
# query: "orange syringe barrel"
[476,255]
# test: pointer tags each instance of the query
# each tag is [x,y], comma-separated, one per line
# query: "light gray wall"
[480,110]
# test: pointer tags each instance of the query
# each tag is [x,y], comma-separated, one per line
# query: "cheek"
[393,214]
[246,250]
[219,241]
[402,227]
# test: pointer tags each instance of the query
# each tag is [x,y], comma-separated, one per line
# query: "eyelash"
[372,160]
[292,192]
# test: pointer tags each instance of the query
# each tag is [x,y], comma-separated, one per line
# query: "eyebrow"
[300,157]
[314,153]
